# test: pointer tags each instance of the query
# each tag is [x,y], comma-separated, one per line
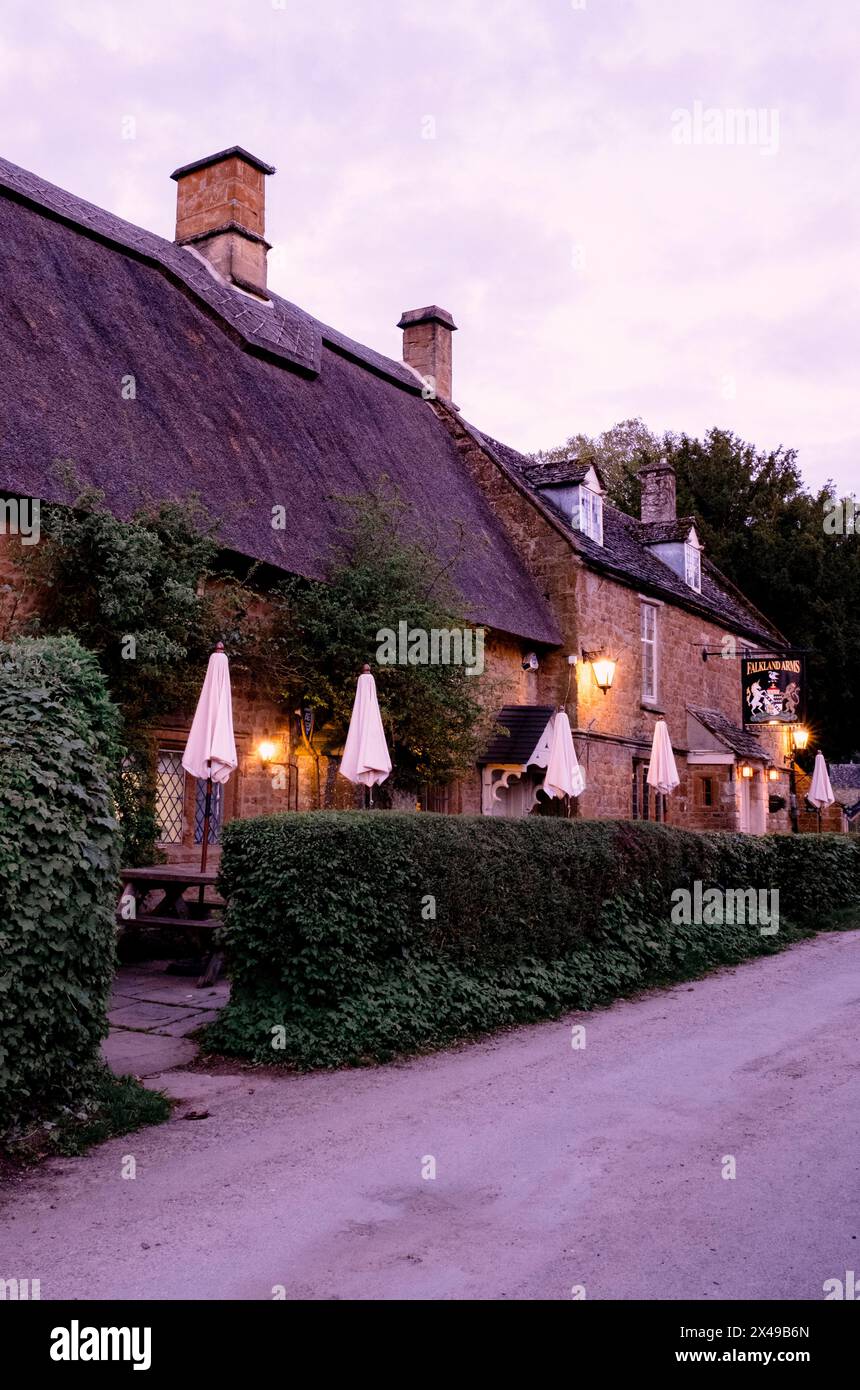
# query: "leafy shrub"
[58,874]
[139,593]
[366,935]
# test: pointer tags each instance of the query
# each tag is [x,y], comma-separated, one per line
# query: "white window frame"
[649,695]
[693,566]
[591,513]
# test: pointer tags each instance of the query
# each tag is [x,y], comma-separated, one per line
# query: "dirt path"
[555,1167]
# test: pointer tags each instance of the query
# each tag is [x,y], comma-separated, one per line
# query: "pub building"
[250,402]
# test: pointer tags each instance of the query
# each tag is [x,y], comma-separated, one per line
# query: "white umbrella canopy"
[210,753]
[211,747]
[821,792]
[564,776]
[662,772]
[366,760]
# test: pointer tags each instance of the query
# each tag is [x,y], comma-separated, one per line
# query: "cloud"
[596,269]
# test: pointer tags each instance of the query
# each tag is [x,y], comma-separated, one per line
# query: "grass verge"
[117,1105]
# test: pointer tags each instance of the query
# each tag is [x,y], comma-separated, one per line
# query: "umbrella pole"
[207,816]
[204,849]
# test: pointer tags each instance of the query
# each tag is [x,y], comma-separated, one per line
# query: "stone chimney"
[658,492]
[427,346]
[221,212]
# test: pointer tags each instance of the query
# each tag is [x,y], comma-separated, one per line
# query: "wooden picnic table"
[173,908]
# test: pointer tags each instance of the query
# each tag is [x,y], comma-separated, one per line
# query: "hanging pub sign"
[774,689]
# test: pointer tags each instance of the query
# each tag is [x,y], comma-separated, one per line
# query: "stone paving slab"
[141,1015]
[151,1015]
[145,1054]
[185,998]
[198,1086]
[181,1027]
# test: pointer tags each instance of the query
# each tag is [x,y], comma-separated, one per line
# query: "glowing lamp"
[746,771]
[267,751]
[603,668]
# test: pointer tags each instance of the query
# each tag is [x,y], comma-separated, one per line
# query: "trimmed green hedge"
[366,935]
[58,875]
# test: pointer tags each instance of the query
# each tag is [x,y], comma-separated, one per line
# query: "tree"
[766,531]
[140,595]
[384,572]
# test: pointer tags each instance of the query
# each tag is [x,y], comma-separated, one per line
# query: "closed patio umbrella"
[210,752]
[821,792]
[564,776]
[366,760]
[662,772]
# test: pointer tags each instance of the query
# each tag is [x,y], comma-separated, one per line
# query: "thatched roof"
[251,407]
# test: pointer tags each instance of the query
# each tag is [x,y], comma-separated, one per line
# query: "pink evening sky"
[569,177]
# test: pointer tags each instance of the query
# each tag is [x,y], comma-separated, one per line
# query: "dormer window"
[677,544]
[576,492]
[591,513]
[693,565]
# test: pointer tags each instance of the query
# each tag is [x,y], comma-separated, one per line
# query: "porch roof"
[735,738]
[526,724]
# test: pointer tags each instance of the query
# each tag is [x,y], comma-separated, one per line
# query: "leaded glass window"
[216,812]
[169,796]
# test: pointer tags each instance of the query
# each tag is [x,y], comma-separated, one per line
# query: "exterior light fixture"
[267,752]
[800,738]
[603,667]
[746,771]
[773,774]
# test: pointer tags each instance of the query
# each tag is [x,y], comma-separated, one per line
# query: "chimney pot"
[658,492]
[221,212]
[427,346]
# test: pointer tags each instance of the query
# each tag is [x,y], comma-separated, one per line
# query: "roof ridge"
[296,340]
[280,328]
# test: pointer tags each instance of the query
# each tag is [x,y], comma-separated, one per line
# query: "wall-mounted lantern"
[746,771]
[800,738]
[267,752]
[603,667]
[773,774]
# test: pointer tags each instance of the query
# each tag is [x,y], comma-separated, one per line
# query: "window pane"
[169,796]
[216,809]
[693,567]
[649,652]
[648,672]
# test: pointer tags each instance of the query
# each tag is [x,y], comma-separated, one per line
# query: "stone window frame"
[705,792]
[650,695]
